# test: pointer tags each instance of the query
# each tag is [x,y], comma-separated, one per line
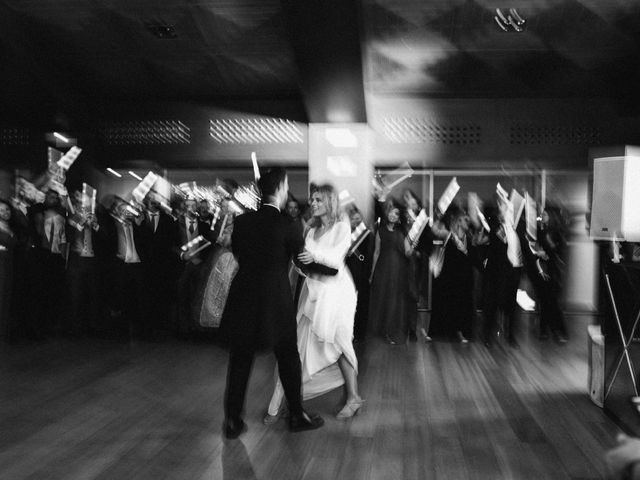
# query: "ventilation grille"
[249,131]
[423,130]
[532,134]
[14,136]
[150,132]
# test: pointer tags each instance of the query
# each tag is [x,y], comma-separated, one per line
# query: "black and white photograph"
[320,240]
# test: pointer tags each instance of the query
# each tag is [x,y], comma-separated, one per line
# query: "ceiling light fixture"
[137,177]
[113,172]
[341,137]
[61,137]
[511,22]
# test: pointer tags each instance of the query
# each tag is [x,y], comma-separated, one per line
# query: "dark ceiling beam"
[325,35]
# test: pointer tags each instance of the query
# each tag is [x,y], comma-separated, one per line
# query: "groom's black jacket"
[260,312]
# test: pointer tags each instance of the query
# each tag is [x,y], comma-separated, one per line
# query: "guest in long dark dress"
[501,274]
[413,205]
[49,290]
[390,297]
[7,246]
[550,270]
[453,311]
[359,264]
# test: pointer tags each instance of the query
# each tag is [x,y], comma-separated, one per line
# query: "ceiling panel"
[62,52]
[104,48]
[456,48]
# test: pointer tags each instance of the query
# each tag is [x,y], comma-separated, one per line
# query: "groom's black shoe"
[305,421]
[233,428]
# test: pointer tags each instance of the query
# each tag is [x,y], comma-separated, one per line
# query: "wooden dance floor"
[99,409]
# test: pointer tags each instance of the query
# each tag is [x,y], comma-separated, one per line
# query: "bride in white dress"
[326,310]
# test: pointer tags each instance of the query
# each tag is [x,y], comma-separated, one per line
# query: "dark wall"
[429,133]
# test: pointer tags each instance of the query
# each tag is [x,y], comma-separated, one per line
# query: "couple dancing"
[314,354]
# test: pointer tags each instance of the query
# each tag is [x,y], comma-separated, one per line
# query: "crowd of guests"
[117,270]
[112,269]
[480,251]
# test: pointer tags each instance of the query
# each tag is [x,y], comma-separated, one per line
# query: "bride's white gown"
[326,310]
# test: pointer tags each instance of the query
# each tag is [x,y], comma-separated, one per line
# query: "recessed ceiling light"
[341,137]
[61,137]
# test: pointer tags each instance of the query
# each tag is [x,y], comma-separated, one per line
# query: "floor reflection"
[236,464]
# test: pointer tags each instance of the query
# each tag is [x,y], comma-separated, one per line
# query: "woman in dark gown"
[390,296]
[417,265]
[452,314]
[550,270]
[7,246]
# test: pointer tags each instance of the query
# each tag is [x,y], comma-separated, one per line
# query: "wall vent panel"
[403,130]
[15,136]
[255,131]
[145,132]
[536,134]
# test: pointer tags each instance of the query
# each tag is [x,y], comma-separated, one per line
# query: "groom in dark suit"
[259,313]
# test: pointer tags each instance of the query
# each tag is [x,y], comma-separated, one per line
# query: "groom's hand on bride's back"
[305,257]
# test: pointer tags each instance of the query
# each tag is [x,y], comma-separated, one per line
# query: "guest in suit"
[157,237]
[128,270]
[82,269]
[294,214]
[189,227]
[7,248]
[502,273]
[260,313]
[204,212]
[49,257]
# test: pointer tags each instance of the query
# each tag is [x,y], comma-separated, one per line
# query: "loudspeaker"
[615,209]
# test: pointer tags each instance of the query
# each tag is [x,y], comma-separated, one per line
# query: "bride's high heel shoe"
[269,419]
[351,409]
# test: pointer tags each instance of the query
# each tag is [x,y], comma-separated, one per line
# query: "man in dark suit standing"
[260,313]
[128,277]
[189,227]
[157,237]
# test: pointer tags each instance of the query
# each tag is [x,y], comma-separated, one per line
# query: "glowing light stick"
[448,195]
[417,228]
[256,170]
[144,187]
[531,216]
[518,203]
[68,158]
[357,237]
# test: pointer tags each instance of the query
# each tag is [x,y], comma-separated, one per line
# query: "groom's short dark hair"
[271,180]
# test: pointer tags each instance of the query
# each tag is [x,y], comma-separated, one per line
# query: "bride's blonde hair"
[331,201]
